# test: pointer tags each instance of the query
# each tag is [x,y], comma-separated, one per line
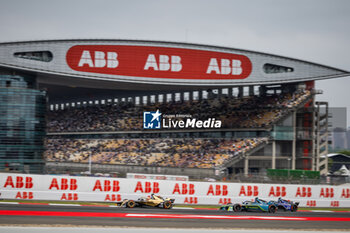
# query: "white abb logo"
[100,59]
[158,63]
[227,67]
[163,64]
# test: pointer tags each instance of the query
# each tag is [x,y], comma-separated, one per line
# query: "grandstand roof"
[337,154]
[153,65]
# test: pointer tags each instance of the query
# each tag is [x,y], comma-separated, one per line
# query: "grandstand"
[182,153]
[254,111]
[94,114]
[247,126]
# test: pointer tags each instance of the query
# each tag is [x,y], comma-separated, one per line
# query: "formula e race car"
[152,201]
[287,205]
[256,205]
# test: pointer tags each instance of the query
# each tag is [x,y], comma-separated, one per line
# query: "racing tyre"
[130,204]
[272,209]
[237,207]
[294,208]
[167,205]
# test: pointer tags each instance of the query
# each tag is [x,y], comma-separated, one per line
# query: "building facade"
[58,74]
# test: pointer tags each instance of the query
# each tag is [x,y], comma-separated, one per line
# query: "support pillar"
[240,92]
[200,95]
[182,96]
[294,144]
[246,166]
[190,96]
[230,92]
[313,147]
[220,92]
[273,166]
[262,91]
[251,90]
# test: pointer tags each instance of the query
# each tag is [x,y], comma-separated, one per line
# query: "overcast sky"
[312,30]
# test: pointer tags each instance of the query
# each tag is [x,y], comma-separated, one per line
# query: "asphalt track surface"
[44,215]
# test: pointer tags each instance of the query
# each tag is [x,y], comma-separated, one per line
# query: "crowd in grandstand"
[187,152]
[246,112]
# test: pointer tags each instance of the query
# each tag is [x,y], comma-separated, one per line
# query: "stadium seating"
[246,112]
[190,153]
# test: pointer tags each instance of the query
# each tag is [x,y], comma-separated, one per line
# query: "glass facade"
[22,124]
[45,56]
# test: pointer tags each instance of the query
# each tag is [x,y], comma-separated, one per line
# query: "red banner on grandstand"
[158,62]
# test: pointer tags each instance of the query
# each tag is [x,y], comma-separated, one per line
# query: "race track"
[65,215]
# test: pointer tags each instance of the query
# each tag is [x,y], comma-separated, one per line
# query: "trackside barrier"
[155,177]
[97,189]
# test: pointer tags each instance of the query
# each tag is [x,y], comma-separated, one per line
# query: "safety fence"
[98,189]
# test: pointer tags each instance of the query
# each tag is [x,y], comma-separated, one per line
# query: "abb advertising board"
[70,188]
[158,62]
[156,177]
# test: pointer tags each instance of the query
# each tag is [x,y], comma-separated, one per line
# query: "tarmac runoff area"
[65,218]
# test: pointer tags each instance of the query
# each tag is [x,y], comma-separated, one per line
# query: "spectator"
[199,153]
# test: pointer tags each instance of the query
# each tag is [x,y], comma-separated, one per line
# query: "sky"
[311,30]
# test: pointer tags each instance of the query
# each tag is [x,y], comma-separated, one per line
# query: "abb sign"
[184,189]
[63,184]
[147,187]
[249,191]
[97,189]
[24,195]
[277,191]
[327,192]
[217,190]
[158,62]
[19,182]
[303,192]
[106,186]
[345,193]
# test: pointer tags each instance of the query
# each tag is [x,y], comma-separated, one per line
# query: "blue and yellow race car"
[256,205]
